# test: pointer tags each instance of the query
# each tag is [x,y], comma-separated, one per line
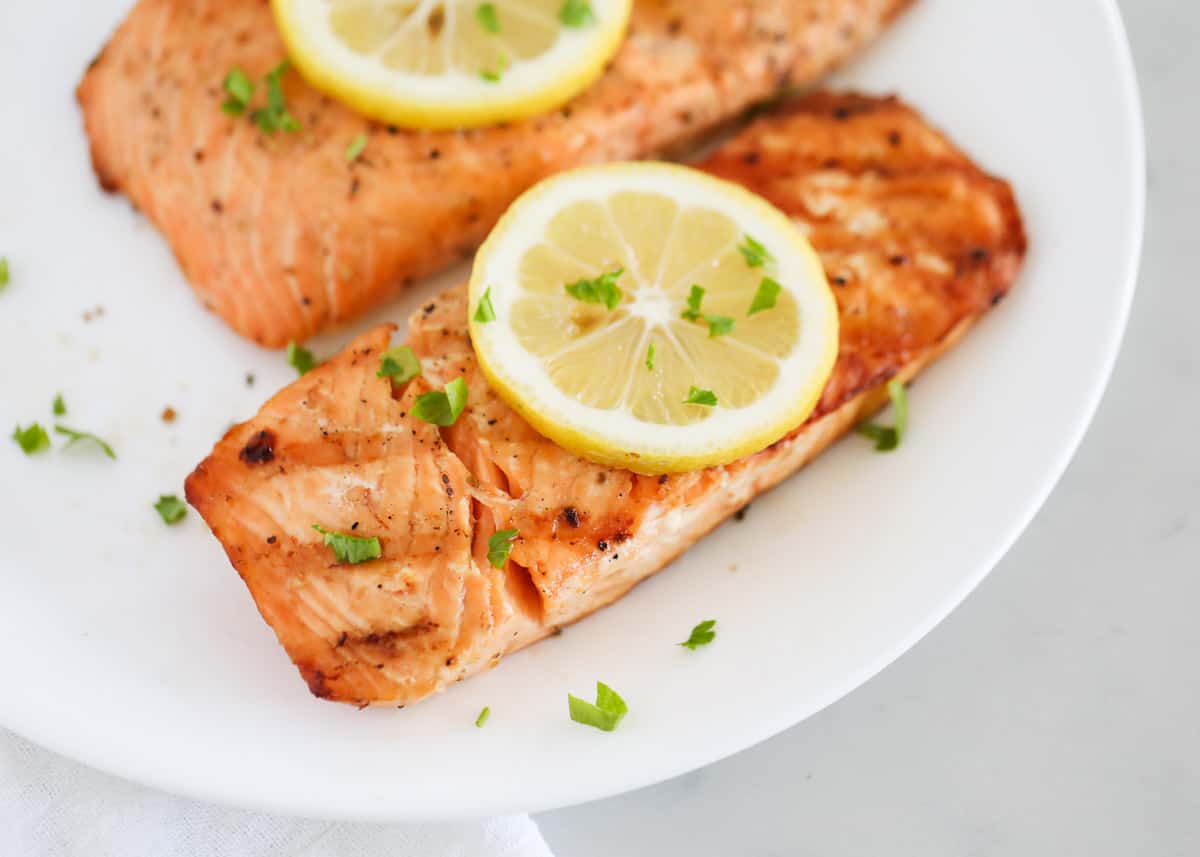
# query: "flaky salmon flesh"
[281,237]
[917,243]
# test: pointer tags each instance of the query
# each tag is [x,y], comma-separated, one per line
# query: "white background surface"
[1056,712]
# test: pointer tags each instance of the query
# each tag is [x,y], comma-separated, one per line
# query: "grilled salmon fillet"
[281,237]
[917,242]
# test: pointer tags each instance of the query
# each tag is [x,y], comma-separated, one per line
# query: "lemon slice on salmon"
[451,63]
[652,317]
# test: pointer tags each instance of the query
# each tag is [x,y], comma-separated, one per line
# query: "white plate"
[134,647]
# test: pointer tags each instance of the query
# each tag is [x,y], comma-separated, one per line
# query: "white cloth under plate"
[53,807]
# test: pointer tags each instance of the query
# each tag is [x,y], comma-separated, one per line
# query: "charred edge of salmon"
[985,274]
[1003,262]
[900,7]
[83,97]
[846,106]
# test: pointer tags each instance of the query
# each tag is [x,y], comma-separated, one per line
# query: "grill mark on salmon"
[918,244]
[282,238]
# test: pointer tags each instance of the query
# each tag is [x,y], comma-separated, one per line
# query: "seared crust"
[281,237]
[924,244]
[913,236]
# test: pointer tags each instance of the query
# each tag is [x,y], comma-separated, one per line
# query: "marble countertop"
[1058,710]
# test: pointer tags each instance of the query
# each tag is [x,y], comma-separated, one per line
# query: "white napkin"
[52,807]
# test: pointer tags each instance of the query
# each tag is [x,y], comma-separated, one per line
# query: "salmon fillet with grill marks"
[281,237]
[918,244]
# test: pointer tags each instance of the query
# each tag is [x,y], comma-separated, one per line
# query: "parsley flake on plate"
[484,311]
[576,13]
[888,438]
[59,406]
[500,546]
[400,364]
[442,407]
[755,254]
[608,710]
[74,437]
[4,275]
[171,509]
[300,358]
[483,716]
[602,290]
[32,439]
[350,549]
[696,396]
[765,297]
[701,635]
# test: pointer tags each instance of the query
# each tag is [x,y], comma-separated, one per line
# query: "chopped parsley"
[301,359]
[74,437]
[356,147]
[32,439]
[718,325]
[350,549]
[484,311]
[482,718]
[650,357]
[275,116]
[696,396]
[240,89]
[695,296]
[888,438]
[608,710]
[576,13]
[500,546]
[602,290]
[59,406]
[755,254]
[765,297]
[4,275]
[171,509]
[701,635]
[493,74]
[400,364]
[488,17]
[441,408]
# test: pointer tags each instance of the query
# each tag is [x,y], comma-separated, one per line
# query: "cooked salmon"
[917,242]
[282,237]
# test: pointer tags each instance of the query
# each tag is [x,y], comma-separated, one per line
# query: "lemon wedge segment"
[652,317]
[451,63]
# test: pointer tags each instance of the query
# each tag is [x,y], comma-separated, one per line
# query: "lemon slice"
[610,303]
[451,63]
